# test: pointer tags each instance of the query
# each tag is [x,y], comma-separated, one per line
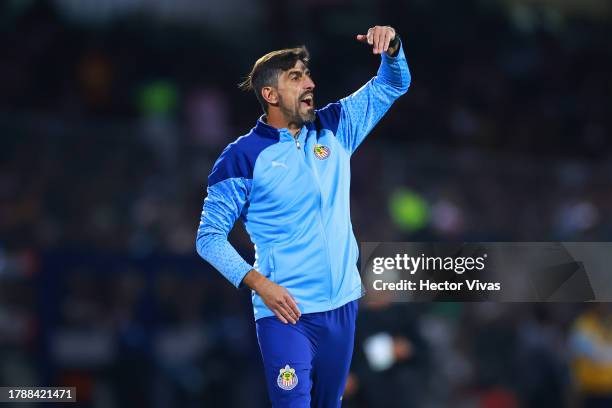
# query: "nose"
[309,84]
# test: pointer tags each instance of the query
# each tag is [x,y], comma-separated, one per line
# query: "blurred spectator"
[591,343]
[391,363]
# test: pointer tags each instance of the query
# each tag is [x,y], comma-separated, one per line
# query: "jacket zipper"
[331,288]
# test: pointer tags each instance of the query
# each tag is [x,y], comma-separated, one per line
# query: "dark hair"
[267,69]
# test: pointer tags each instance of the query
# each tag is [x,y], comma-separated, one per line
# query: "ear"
[270,95]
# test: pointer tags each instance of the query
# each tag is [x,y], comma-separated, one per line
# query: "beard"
[295,114]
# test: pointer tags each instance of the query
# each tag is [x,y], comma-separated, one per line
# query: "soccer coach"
[288,181]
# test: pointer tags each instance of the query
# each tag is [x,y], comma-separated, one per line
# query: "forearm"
[216,250]
[394,72]
[362,110]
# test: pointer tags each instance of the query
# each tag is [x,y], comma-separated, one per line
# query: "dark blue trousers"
[307,364]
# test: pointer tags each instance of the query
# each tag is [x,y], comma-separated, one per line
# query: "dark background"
[113,112]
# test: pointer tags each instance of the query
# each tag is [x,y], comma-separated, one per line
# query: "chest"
[303,173]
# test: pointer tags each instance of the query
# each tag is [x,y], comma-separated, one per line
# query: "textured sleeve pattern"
[362,110]
[223,205]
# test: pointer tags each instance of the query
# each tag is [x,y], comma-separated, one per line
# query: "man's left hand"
[379,37]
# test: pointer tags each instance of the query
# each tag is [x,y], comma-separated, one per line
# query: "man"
[288,181]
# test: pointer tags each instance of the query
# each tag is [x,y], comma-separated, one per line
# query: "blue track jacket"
[293,197]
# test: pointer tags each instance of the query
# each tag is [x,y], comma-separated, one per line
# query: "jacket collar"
[263,129]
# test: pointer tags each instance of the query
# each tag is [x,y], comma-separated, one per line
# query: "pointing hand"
[379,37]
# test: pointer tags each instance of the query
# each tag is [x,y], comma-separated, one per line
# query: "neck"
[276,119]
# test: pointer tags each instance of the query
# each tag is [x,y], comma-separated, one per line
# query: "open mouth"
[308,101]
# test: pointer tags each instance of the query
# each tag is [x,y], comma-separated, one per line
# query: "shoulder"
[238,158]
[328,117]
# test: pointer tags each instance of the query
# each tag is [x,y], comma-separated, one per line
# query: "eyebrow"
[299,71]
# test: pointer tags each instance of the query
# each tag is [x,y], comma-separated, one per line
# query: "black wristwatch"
[395,43]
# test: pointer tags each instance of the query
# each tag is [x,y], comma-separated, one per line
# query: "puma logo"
[279,164]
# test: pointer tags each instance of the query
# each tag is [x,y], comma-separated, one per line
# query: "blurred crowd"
[112,114]
[165,332]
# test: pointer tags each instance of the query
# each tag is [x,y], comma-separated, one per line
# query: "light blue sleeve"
[222,207]
[362,110]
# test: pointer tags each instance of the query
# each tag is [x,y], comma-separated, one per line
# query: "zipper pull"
[297,143]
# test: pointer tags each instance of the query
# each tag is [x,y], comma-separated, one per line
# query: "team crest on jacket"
[321,152]
[287,378]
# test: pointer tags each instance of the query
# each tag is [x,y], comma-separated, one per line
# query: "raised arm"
[359,112]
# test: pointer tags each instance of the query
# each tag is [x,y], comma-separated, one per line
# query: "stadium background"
[112,113]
